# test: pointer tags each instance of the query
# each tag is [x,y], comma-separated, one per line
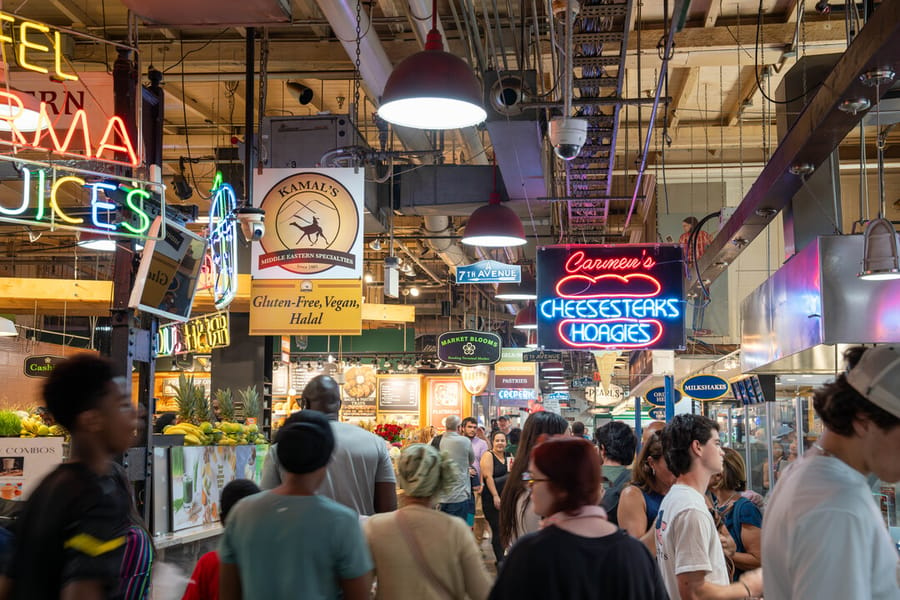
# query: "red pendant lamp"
[494,225]
[432,89]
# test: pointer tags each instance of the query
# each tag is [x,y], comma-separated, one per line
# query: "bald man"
[360,475]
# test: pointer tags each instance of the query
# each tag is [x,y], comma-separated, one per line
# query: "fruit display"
[223,433]
[27,425]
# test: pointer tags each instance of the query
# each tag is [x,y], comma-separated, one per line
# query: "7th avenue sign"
[542,356]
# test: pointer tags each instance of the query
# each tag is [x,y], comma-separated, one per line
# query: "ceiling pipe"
[438,238]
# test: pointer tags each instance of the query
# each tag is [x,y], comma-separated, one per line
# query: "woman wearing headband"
[420,552]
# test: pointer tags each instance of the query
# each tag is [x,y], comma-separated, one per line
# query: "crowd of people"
[569,518]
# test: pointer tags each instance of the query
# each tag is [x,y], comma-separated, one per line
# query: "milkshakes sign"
[705,387]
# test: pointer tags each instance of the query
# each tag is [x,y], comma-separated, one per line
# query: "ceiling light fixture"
[526,289]
[375,244]
[432,89]
[551,367]
[96,241]
[881,257]
[527,317]
[494,226]
[25,116]
[854,106]
[368,277]
[7,328]
[881,250]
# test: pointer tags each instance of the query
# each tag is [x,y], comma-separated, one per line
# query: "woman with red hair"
[577,553]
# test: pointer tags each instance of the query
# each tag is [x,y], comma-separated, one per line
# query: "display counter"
[189,482]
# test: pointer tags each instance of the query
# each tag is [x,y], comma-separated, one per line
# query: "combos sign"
[41,366]
[313,224]
[201,334]
[605,297]
[705,387]
[466,348]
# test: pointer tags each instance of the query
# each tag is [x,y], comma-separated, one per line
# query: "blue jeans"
[456,509]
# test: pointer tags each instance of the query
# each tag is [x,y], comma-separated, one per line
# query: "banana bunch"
[34,427]
[193,435]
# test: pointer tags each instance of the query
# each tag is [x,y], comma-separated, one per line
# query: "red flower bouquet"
[390,432]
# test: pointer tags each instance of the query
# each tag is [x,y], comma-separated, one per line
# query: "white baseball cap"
[877,377]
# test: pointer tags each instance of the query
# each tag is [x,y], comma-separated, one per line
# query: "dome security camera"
[567,135]
[251,221]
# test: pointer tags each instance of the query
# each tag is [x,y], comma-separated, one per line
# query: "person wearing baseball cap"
[289,542]
[823,535]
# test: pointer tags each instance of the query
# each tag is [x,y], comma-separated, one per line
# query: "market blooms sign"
[611,296]
[466,348]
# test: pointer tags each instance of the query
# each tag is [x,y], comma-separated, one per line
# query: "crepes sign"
[624,296]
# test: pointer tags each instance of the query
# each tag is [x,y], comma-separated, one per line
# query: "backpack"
[610,502]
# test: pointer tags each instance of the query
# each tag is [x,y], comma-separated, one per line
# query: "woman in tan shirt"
[420,552]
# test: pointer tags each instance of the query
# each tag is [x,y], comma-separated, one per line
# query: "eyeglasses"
[530,480]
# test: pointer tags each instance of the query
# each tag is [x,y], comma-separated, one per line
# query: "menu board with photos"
[399,393]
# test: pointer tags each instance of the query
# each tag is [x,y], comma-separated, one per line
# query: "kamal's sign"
[489,271]
[314,224]
[307,307]
[466,348]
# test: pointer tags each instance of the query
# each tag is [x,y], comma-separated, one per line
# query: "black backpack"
[610,502]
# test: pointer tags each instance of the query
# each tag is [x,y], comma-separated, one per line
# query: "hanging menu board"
[399,394]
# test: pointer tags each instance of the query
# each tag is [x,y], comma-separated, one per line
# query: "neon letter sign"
[102,210]
[223,242]
[624,296]
[105,149]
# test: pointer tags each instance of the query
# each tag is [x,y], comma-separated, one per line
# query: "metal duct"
[205,13]
[439,227]
[793,321]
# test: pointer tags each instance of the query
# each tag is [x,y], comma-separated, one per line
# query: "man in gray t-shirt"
[360,474]
[456,500]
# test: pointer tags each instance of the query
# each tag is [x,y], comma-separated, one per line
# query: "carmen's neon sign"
[627,296]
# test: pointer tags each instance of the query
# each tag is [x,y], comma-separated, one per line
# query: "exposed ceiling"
[712,121]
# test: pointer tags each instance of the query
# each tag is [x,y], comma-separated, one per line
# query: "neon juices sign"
[623,296]
[114,205]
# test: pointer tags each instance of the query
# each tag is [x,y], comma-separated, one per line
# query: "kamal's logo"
[316,222]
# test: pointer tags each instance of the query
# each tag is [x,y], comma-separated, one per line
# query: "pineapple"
[225,401]
[185,398]
[250,399]
[203,406]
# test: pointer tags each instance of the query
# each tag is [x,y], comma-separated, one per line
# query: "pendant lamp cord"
[434,15]
[356,75]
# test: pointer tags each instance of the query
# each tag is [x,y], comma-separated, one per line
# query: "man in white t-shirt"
[360,474]
[823,535]
[688,550]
